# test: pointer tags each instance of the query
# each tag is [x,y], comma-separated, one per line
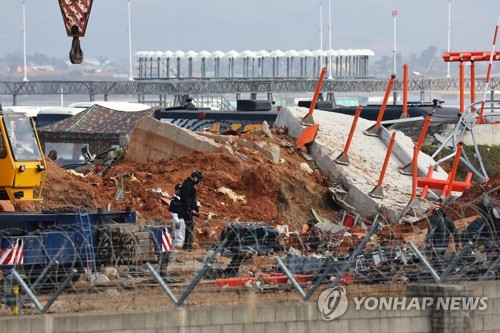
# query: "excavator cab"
[22,164]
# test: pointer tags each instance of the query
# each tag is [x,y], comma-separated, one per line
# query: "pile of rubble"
[254,177]
[249,189]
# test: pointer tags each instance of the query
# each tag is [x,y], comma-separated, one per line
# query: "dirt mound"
[273,193]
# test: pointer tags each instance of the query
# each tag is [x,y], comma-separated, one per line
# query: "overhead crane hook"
[75,15]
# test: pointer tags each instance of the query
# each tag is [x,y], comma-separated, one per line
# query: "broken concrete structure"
[367,154]
[153,140]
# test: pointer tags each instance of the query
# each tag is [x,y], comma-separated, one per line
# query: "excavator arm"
[76,16]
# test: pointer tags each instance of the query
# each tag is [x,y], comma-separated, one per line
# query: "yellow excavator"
[22,163]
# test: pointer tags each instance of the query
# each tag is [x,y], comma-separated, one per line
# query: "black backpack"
[175,206]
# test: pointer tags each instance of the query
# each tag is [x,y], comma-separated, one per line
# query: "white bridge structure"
[252,64]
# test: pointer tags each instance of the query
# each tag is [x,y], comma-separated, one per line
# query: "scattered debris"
[231,194]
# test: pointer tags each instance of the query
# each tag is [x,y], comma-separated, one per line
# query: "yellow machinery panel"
[22,164]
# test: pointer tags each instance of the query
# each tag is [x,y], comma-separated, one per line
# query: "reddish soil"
[274,193]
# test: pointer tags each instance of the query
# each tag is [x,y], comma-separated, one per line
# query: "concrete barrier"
[367,154]
[298,317]
[154,140]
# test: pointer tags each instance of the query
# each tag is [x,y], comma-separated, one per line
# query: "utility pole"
[449,36]
[25,79]
[394,15]
[131,77]
[330,38]
[321,30]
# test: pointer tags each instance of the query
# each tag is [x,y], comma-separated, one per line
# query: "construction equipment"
[47,246]
[22,164]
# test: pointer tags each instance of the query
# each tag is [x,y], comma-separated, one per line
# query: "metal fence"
[368,256]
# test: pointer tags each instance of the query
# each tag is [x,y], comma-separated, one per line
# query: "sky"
[161,25]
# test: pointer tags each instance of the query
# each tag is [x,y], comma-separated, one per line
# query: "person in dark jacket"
[188,199]
[189,104]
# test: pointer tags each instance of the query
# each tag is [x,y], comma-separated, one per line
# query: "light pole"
[330,39]
[131,77]
[394,15]
[449,36]
[25,79]
[320,30]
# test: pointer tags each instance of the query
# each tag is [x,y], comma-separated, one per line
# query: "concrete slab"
[366,158]
[153,140]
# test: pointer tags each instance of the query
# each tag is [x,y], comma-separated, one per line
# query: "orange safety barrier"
[373,131]
[405,92]
[447,185]
[473,57]
[462,88]
[308,118]
[343,158]
[306,136]
[472,83]
[470,56]
[378,191]
[414,173]
[425,189]
[440,184]
[386,98]
[420,141]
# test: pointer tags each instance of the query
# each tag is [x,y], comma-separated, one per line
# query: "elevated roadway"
[179,87]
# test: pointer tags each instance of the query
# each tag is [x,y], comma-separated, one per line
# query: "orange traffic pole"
[386,98]
[404,169]
[462,88]
[426,187]
[453,172]
[378,191]
[423,133]
[481,119]
[308,118]
[343,158]
[472,82]
[413,203]
[414,173]
[405,92]
[373,131]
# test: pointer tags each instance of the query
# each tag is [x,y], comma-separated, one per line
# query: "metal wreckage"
[49,250]
[375,256]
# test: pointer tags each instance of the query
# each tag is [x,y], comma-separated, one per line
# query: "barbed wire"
[394,256]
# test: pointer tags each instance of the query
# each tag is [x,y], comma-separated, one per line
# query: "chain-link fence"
[126,266]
